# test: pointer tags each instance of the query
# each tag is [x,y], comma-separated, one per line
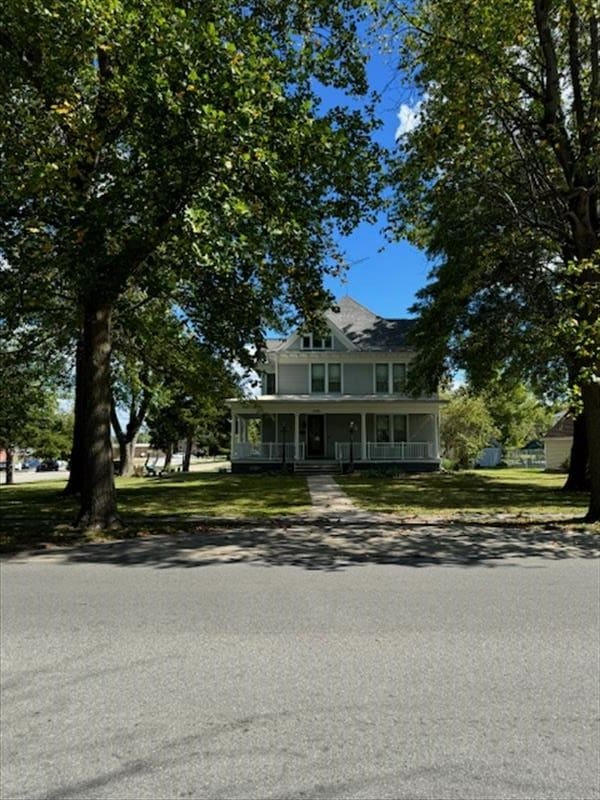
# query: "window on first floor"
[382,428]
[391,428]
[400,428]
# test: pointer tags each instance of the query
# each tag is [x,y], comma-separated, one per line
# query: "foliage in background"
[518,415]
[500,182]
[32,376]
[466,427]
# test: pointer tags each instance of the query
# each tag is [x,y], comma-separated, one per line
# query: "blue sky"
[383,276]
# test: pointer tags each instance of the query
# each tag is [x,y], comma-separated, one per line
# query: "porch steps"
[317,468]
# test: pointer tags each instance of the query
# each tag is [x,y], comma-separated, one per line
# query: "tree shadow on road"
[330,544]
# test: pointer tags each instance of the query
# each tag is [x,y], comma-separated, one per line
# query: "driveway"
[129,673]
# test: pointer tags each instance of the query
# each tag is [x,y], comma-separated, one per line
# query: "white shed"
[558,441]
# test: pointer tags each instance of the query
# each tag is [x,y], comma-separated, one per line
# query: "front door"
[315,430]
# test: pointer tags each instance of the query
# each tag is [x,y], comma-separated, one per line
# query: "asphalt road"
[247,681]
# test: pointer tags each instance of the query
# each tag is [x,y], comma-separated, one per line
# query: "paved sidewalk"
[327,498]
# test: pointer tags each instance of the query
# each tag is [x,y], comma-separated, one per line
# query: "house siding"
[358,378]
[293,379]
[557,450]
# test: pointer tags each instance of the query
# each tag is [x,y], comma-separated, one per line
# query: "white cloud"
[409,117]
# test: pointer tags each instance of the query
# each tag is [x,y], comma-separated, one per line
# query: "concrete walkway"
[327,498]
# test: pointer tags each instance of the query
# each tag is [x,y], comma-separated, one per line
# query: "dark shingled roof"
[366,330]
[363,328]
[562,428]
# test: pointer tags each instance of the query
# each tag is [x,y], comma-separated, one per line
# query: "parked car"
[47,465]
[30,463]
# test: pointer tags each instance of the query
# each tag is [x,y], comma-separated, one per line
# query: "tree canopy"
[179,149]
[499,181]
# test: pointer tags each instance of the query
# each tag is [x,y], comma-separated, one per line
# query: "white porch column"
[234,419]
[436,430]
[296,436]
[363,436]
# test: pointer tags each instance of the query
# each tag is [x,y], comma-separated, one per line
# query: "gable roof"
[366,330]
[562,428]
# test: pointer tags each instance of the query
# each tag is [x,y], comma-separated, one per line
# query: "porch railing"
[385,451]
[342,451]
[399,451]
[376,451]
[267,451]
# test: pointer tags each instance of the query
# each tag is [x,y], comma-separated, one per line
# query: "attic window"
[312,342]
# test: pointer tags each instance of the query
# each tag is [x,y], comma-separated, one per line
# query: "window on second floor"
[383,385]
[398,378]
[317,377]
[269,383]
[326,377]
[334,378]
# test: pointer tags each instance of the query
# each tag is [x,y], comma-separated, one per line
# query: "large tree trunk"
[590,393]
[10,466]
[77,462]
[98,498]
[578,480]
[126,454]
[168,455]
[187,456]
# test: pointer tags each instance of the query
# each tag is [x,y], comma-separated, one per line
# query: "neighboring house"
[558,441]
[337,396]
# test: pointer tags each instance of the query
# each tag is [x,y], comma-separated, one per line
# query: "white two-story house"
[337,398]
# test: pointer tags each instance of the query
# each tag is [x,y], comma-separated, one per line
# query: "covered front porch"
[345,437]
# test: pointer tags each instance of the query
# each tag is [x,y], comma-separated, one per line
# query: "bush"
[449,464]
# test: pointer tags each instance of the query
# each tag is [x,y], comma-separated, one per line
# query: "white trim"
[341,335]
[363,435]
[232,433]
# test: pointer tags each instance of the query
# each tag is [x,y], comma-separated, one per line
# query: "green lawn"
[35,512]
[518,492]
